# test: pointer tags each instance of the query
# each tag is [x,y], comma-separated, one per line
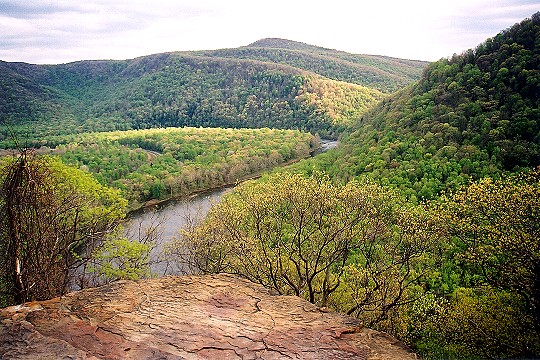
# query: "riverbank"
[324,145]
[172,214]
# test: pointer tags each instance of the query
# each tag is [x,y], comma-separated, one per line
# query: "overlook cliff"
[214,317]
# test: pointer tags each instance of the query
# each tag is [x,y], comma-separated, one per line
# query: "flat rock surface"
[188,317]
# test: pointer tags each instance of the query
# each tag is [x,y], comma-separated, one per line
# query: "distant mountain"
[222,88]
[469,116]
[379,72]
[277,43]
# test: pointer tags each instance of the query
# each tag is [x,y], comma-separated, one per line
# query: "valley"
[158,164]
[422,223]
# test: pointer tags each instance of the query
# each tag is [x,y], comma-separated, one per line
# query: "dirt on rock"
[187,317]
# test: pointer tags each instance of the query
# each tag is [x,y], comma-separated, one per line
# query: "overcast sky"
[59,31]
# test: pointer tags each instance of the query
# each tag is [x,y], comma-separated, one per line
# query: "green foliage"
[164,163]
[496,225]
[454,278]
[470,116]
[388,270]
[378,72]
[50,215]
[472,324]
[119,258]
[483,296]
[357,247]
[340,101]
[172,89]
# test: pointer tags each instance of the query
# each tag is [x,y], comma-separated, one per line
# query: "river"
[173,215]
[326,145]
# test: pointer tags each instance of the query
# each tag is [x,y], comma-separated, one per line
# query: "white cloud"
[47,31]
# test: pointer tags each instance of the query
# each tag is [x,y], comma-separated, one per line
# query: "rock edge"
[186,317]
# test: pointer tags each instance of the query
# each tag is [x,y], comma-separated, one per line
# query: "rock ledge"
[189,317]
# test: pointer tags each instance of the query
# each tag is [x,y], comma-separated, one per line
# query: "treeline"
[165,163]
[172,89]
[379,72]
[470,116]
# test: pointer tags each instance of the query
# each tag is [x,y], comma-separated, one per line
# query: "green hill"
[212,89]
[469,116]
[379,72]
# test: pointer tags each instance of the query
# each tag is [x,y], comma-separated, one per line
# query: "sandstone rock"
[189,317]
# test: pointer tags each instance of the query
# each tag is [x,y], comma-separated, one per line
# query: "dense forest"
[157,164]
[424,223]
[444,251]
[454,278]
[379,72]
[470,116]
[193,89]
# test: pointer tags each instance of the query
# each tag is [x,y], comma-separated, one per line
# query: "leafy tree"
[496,224]
[483,295]
[352,247]
[470,116]
[471,323]
[163,163]
[388,268]
[128,253]
[49,214]
[119,258]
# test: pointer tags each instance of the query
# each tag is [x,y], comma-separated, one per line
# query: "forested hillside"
[230,88]
[173,90]
[424,222]
[379,72]
[470,116]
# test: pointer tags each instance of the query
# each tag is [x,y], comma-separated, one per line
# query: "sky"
[60,31]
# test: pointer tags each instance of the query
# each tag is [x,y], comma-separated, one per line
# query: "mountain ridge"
[281,43]
[384,73]
[185,89]
[285,44]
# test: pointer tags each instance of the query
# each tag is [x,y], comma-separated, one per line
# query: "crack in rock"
[215,317]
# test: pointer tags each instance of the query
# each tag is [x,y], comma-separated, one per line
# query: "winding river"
[173,215]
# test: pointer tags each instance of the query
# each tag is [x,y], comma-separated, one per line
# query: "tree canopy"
[357,246]
[157,164]
[50,213]
[174,90]
[470,116]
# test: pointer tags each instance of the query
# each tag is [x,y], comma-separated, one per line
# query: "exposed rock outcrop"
[191,317]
